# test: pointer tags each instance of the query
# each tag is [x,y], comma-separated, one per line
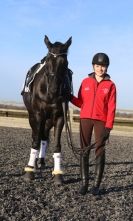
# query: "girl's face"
[99,70]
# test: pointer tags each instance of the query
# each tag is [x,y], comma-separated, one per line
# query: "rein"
[68,129]
[69,133]
[53,76]
[47,77]
[76,151]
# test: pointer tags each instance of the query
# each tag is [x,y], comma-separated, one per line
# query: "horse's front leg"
[57,172]
[45,129]
[35,121]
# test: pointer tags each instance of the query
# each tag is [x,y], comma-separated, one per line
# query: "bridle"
[53,74]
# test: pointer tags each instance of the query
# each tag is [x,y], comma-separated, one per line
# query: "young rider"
[97,100]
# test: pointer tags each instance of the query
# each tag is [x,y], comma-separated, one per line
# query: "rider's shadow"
[116,189]
[120,175]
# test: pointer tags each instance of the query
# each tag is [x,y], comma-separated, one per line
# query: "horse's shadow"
[71,178]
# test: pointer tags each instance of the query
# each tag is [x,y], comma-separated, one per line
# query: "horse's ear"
[47,42]
[68,43]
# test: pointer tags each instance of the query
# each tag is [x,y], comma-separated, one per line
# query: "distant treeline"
[124,115]
[12,107]
[118,114]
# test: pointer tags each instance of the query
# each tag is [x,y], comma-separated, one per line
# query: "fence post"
[71,115]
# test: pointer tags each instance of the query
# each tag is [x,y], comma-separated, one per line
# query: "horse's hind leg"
[57,172]
[42,153]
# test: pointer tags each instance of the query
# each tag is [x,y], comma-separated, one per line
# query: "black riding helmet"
[101,59]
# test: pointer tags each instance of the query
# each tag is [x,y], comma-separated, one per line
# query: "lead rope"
[76,151]
[68,130]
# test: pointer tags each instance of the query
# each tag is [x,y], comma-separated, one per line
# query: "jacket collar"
[106,77]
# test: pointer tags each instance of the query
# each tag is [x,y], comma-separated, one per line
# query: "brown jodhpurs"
[86,129]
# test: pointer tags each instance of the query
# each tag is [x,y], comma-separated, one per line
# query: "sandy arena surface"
[24,123]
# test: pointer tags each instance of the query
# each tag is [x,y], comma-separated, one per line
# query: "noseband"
[55,55]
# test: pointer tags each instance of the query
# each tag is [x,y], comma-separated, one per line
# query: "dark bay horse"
[48,92]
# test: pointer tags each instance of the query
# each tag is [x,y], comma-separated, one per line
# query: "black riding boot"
[84,170]
[100,163]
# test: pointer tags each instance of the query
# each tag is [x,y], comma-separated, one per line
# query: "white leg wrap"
[57,164]
[33,155]
[43,147]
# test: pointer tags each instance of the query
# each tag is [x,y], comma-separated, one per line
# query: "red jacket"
[97,100]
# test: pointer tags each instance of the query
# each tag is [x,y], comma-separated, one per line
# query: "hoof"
[29,173]
[29,176]
[58,179]
[40,163]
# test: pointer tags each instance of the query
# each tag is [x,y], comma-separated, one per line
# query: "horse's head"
[56,65]
[57,56]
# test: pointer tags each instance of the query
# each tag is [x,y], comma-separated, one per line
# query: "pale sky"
[95,26]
